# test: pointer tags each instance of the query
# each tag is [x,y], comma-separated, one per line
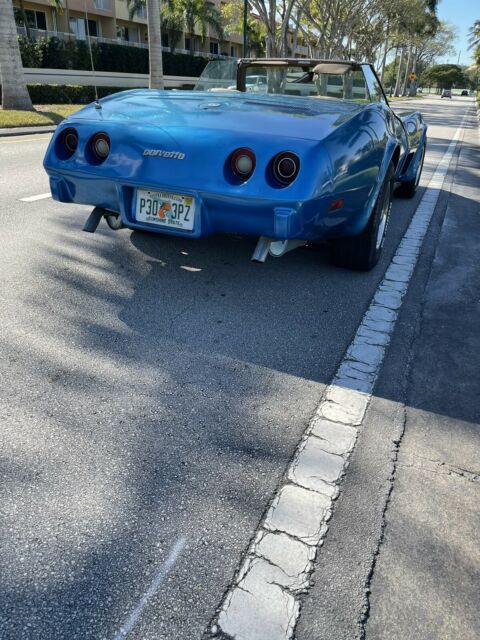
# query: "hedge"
[67,93]
[53,53]
[70,93]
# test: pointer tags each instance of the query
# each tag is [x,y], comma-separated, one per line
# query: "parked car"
[446,93]
[314,158]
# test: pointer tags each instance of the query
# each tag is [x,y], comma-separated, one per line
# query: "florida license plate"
[165,209]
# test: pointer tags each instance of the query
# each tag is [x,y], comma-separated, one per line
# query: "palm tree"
[154,38]
[59,6]
[474,38]
[203,14]
[155,45]
[173,23]
[14,89]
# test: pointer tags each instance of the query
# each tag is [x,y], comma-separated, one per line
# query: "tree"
[444,76]
[14,89]
[474,38]
[173,23]
[474,41]
[155,45]
[154,39]
[232,17]
[202,14]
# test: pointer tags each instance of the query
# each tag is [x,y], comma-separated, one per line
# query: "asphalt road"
[153,391]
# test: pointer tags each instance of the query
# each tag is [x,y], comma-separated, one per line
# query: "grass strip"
[44,114]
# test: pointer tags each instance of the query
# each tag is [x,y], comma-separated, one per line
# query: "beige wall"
[121,11]
[117,13]
[40,5]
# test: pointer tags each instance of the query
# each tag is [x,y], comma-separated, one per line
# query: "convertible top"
[300,62]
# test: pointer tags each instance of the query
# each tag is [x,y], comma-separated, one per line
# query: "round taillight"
[286,166]
[70,140]
[101,146]
[243,162]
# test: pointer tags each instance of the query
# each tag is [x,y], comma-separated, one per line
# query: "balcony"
[39,33]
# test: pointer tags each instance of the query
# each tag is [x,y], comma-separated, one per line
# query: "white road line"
[159,578]
[42,196]
[263,601]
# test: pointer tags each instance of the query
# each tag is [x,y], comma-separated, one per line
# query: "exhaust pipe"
[276,248]
[279,248]
[113,219]
[93,220]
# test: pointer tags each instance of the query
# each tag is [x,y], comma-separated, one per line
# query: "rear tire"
[362,252]
[408,189]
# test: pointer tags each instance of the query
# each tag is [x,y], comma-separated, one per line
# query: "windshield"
[218,75]
[304,81]
[337,81]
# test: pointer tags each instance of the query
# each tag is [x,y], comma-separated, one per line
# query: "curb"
[26,131]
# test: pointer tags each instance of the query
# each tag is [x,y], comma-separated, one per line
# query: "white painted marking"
[42,196]
[159,578]
[262,603]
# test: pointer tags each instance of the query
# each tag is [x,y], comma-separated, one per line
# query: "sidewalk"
[425,584]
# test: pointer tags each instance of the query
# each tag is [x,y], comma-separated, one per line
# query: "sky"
[461,13]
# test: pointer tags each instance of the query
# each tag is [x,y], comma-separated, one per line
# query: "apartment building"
[109,21]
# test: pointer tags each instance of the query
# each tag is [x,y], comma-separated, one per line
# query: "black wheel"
[362,252]
[408,189]
[114,221]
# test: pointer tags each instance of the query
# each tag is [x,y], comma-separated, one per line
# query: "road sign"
[413,76]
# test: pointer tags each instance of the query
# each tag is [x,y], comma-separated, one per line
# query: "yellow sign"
[413,76]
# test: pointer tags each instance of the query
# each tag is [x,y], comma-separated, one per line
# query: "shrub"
[53,53]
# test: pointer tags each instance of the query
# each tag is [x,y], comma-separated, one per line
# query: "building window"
[141,12]
[233,52]
[129,34]
[78,28]
[35,19]
[92,28]
[164,39]
[187,44]
[102,4]
[214,48]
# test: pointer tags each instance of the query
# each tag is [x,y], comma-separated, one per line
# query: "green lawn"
[44,114]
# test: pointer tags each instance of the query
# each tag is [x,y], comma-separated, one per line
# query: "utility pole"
[245,16]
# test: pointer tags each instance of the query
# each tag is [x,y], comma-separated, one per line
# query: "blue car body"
[180,142]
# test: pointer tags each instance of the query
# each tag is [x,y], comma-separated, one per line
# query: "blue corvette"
[291,151]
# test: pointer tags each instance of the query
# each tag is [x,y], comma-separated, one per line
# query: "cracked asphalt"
[144,403]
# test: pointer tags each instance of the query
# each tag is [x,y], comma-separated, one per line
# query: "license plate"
[165,209]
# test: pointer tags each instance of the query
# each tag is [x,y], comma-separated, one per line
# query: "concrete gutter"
[27,131]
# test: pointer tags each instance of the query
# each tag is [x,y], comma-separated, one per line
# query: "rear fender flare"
[411,171]
[364,216]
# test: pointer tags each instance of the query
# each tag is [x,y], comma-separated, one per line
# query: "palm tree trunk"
[14,90]
[155,45]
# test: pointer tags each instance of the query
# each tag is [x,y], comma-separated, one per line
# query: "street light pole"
[245,15]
